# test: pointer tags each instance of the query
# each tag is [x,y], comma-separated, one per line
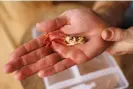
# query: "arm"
[111,12]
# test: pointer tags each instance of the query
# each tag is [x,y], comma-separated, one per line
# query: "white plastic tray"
[101,72]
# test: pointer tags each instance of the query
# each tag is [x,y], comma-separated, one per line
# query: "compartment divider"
[83,78]
[76,71]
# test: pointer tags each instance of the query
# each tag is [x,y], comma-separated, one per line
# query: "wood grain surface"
[6,81]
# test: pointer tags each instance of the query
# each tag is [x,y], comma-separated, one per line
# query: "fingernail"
[8,68]
[18,76]
[37,25]
[106,34]
[40,74]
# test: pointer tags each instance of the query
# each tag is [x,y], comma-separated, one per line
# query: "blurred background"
[16,21]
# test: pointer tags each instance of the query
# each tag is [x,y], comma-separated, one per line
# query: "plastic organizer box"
[101,72]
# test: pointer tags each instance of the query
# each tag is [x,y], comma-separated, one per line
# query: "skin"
[122,40]
[35,57]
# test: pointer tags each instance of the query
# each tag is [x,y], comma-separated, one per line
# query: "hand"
[83,22]
[122,38]
[34,57]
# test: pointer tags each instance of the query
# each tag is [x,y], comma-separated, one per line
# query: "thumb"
[114,34]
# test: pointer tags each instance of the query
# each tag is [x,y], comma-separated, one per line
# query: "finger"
[28,47]
[113,34]
[27,59]
[123,46]
[60,66]
[117,51]
[120,48]
[51,25]
[33,68]
[70,52]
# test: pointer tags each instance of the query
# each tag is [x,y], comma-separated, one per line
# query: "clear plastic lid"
[101,72]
